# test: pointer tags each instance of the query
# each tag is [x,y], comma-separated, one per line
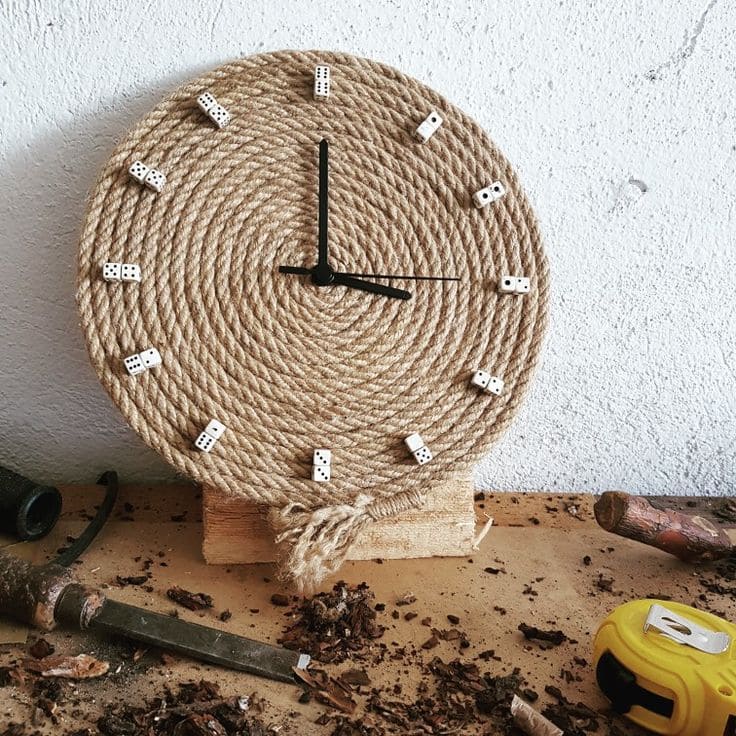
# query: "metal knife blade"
[194,640]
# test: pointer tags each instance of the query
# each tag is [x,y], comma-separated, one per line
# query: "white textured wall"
[618,116]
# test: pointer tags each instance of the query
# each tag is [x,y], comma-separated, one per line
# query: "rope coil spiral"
[288,366]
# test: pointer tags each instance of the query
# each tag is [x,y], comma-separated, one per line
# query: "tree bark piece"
[689,538]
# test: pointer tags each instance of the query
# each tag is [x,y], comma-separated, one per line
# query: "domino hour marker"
[141,362]
[209,437]
[121,271]
[486,382]
[146,175]
[321,82]
[321,465]
[429,127]
[209,105]
[514,285]
[422,454]
[491,193]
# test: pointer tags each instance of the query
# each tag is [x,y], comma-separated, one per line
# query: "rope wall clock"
[309,280]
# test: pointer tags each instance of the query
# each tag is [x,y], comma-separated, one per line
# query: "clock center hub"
[323,275]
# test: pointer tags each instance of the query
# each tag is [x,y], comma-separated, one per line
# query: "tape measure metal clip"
[685,631]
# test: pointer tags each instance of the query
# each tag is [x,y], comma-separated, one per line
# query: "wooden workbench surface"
[539,546]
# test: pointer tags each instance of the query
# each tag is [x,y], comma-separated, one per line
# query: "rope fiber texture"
[285,365]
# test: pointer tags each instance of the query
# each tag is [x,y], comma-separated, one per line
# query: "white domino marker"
[494,192]
[418,449]
[486,382]
[429,127]
[321,465]
[209,105]
[208,438]
[147,176]
[141,362]
[514,285]
[321,82]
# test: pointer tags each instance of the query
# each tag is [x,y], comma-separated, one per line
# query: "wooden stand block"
[236,531]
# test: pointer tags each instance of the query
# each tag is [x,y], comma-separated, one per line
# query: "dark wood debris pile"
[195,709]
[334,626]
[452,696]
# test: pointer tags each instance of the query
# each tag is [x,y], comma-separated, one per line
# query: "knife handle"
[29,593]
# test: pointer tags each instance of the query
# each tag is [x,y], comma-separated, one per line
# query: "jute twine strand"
[287,366]
[315,543]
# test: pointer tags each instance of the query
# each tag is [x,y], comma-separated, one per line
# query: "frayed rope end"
[313,543]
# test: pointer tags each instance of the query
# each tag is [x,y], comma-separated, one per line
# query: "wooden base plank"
[236,531]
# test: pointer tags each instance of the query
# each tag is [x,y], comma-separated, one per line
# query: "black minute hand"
[390,276]
[322,274]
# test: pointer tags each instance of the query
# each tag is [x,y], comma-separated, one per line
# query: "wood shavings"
[327,689]
[530,721]
[81,667]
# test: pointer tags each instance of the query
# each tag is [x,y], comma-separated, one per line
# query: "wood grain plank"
[236,531]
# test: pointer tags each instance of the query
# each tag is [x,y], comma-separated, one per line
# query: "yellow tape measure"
[669,667]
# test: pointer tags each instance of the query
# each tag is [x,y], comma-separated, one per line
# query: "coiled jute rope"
[285,365]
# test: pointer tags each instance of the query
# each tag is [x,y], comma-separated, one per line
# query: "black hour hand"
[353,283]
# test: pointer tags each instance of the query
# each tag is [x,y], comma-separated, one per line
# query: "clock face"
[264,237]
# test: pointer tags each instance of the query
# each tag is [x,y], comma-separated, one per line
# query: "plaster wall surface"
[619,118]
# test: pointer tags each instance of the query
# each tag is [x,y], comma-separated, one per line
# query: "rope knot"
[315,542]
[387,506]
